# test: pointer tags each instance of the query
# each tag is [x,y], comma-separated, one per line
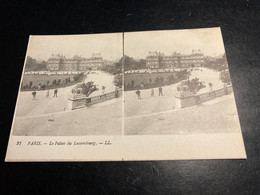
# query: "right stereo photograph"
[178,82]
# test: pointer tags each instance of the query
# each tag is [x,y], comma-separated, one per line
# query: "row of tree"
[225,77]
[158,81]
[111,69]
[129,64]
[218,64]
[55,83]
[32,65]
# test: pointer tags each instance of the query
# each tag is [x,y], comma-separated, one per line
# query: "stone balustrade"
[188,99]
[76,101]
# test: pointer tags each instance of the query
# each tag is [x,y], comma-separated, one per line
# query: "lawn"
[42,79]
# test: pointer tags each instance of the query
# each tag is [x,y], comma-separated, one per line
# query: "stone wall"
[186,100]
[76,101]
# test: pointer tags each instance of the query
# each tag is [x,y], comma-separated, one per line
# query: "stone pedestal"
[76,101]
[185,99]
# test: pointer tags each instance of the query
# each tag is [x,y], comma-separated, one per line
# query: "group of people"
[55,93]
[138,93]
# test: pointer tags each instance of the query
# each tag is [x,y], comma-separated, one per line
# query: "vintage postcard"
[152,95]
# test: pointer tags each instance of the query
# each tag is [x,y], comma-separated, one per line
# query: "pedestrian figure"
[210,86]
[160,91]
[103,89]
[138,93]
[55,93]
[225,89]
[47,93]
[152,93]
[116,92]
[34,95]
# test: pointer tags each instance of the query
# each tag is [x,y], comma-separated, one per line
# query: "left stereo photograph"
[71,86]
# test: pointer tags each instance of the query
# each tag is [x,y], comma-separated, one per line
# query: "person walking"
[47,93]
[34,95]
[116,92]
[55,92]
[103,89]
[138,93]
[160,91]
[152,93]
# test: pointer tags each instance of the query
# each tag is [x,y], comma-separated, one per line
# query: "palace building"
[157,60]
[76,63]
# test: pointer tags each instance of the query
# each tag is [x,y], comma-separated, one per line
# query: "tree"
[118,80]
[182,74]
[78,76]
[54,82]
[87,88]
[58,81]
[170,79]
[132,83]
[225,77]
[141,64]
[157,80]
[118,68]
[41,66]
[42,87]
[30,64]
[193,85]
[130,64]
[30,84]
[217,63]
[161,80]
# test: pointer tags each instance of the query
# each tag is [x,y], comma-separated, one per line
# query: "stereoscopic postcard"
[151,95]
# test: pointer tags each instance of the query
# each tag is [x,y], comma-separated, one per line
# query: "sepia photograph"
[71,85]
[178,82]
[126,96]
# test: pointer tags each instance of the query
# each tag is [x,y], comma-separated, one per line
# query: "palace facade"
[157,60]
[59,62]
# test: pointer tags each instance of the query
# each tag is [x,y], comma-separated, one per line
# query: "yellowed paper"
[155,95]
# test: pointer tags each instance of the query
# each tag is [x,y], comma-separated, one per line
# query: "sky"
[109,45]
[208,40]
[137,44]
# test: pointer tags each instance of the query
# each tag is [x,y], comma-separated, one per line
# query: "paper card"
[153,95]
